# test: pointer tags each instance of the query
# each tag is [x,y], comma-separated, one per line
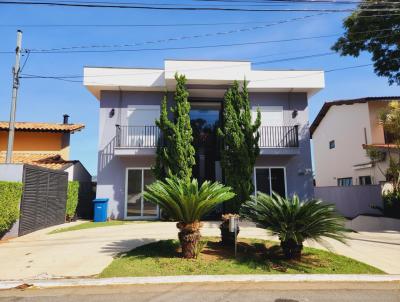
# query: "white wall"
[78,172]
[345,124]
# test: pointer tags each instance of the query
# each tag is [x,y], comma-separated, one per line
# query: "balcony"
[143,140]
[136,140]
[279,140]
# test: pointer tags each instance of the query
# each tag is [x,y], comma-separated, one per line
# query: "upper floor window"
[390,138]
[270,115]
[364,180]
[332,144]
[345,182]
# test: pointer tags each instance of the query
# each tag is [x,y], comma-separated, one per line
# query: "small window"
[332,144]
[365,180]
[345,182]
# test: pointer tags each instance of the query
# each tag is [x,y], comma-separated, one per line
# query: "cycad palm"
[294,221]
[184,201]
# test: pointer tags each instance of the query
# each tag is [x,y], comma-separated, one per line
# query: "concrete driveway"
[87,252]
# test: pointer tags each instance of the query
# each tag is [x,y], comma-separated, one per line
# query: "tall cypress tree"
[239,148]
[175,152]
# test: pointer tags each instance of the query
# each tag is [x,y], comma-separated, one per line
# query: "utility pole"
[11,127]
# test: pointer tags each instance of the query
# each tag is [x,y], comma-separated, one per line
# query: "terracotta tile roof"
[48,127]
[325,108]
[45,160]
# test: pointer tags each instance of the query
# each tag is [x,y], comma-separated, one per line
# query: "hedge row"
[10,197]
[72,199]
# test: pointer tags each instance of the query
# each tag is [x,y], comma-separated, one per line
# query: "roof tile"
[48,127]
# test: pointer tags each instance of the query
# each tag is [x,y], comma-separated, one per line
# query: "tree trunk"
[291,249]
[189,237]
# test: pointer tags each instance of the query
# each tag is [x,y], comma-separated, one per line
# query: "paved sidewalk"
[88,252]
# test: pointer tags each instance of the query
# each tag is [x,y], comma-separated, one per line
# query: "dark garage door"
[43,200]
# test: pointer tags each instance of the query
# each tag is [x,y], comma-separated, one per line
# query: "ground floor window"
[364,180]
[136,206]
[270,179]
[345,182]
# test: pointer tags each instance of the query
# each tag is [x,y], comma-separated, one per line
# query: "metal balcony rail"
[278,137]
[137,136]
[148,136]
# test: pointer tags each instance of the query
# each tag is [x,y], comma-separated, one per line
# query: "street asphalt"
[248,292]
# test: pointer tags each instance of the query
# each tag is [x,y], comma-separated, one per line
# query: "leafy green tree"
[377,32]
[239,148]
[185,202]
[389,118]
[175,151]
[294,221]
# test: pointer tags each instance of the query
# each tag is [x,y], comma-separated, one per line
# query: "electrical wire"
[175,8]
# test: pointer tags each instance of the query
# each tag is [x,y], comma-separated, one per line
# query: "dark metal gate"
[43,199]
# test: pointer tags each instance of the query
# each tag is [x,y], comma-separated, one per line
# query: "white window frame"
[269,174]
[269,109]
[141,107]
[141,217]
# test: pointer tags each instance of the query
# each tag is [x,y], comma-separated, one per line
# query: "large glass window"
[268,180]
[137,206]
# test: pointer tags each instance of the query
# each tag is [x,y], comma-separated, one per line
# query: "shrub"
[294,221]
[187,202]
[391,204]
[72,199]
[10,197]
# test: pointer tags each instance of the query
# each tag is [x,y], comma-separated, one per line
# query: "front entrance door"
[136,207]
[204,118]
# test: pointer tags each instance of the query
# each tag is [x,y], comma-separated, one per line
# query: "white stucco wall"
[345,125]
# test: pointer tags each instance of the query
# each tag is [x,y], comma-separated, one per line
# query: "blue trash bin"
[100,209]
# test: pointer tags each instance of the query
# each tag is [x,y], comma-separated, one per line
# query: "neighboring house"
[130,103]
[341,132]
[44,144]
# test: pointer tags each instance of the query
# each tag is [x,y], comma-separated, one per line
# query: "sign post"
[233,227]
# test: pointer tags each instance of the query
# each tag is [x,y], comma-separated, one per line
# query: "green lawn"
[90,225]
[254,257]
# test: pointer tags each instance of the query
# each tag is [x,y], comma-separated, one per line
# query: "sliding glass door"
[136,206]
[270,179]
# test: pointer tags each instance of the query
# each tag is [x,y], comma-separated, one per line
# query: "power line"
[75,49]
[206,35]
[188,47]
[159,24]
[259,80]
[229,9]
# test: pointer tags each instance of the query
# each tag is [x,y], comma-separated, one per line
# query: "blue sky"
[47,100]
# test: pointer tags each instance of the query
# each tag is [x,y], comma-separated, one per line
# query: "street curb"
[50,283]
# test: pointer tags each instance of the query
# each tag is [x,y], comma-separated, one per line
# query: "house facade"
[341,133]
[45,145]
[130,101]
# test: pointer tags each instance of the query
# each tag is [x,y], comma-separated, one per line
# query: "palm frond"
[184,200]
[292,219]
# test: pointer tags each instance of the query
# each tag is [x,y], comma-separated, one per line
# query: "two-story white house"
[129,101]
[341,133]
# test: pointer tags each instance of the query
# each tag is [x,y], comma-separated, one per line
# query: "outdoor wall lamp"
[294,113]
[112,112]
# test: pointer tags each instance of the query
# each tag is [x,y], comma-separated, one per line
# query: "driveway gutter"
[53,283]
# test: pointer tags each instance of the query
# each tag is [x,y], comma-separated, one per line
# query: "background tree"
[389,118]
[175,151]
[239,148]
[377,32]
